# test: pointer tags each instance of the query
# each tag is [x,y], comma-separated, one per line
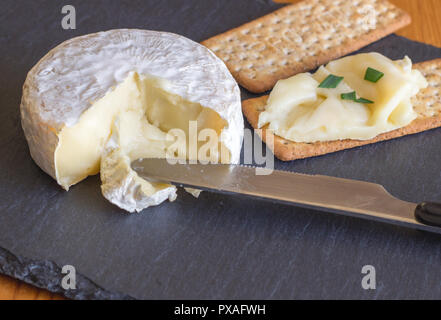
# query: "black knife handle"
[429,213]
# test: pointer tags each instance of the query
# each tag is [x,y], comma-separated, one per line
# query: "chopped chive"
[353,96]
[373,75]
[363,100]
[349,96]
[331,82]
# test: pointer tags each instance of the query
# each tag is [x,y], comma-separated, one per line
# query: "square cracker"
[427,104]
[302,36]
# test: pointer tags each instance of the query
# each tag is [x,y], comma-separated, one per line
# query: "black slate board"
[218,246]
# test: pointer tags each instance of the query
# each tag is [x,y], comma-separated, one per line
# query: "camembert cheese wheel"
[101,100]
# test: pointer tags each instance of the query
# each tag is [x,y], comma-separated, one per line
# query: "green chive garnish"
[363,100]
[373,75]
[349,96]
[331,82]
[353,96]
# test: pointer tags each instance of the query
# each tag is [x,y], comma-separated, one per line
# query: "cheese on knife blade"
[100,100]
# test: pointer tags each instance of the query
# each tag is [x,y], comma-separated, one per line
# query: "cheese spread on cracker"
[356,97]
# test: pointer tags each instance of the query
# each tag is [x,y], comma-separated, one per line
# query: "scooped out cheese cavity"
[300,111]
[140,131]
[97,102]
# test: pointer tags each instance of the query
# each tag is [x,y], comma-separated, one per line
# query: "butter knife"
[342,196]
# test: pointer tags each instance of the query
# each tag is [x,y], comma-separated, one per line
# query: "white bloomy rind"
[79,72]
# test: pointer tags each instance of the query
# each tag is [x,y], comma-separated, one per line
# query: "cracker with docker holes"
[427,104]
[302,36]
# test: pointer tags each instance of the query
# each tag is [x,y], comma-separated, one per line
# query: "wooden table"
[425,27]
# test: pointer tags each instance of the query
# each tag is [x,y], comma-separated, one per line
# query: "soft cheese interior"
[129,122]
[298,110]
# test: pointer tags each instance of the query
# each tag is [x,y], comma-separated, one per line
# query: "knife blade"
[343,196]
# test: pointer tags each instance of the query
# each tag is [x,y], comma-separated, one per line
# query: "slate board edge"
[47,275]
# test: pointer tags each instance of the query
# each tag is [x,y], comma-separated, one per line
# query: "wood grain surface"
[11,289]
[425,27]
